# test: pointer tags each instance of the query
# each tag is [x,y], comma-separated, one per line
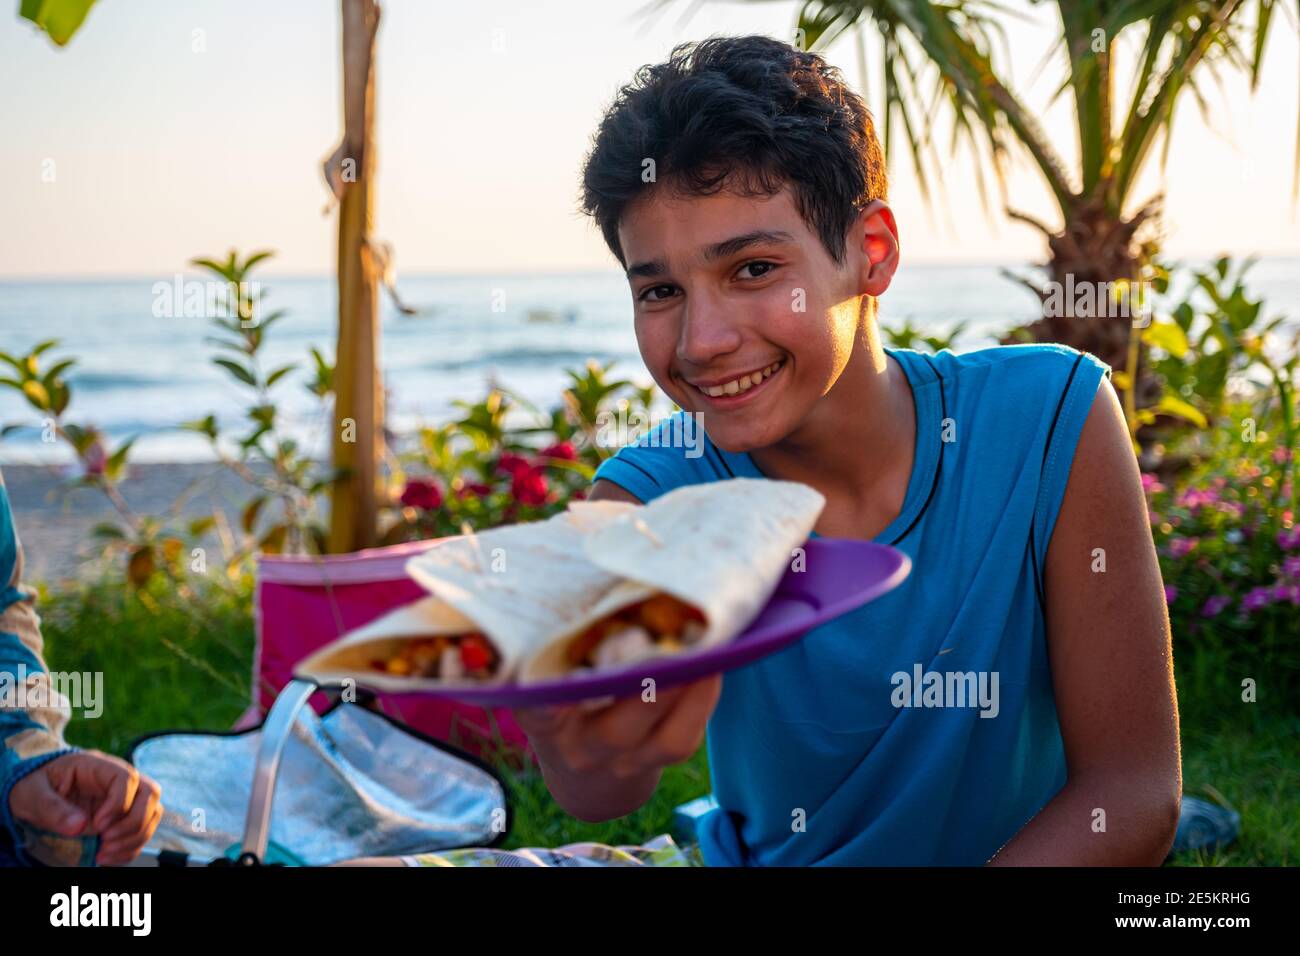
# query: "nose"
[708,330]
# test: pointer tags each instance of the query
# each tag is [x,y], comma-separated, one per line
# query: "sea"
[143,362]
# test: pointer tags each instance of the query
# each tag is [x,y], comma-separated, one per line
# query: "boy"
[741,187]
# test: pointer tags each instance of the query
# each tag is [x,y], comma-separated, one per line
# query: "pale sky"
[183,127]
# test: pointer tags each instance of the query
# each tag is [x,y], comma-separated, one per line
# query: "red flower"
[562,449]
[529,486]
[477,488]
[422,493]
[512,464]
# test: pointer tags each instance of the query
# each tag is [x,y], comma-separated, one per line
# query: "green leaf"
[108,531]
[80,437]
[60,396]
[250,440]
[200,525]
[273,541]
[113,467]
[249,518]
[278,374]
[213,266]
[1168,336]
[37,394]
[141,566]
[263,415]
[205,426]
[237,370]
[1171,405]
[57,369]
[255,258]
[58,18]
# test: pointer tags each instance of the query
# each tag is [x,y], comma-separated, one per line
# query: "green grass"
[172,662]
[168,662]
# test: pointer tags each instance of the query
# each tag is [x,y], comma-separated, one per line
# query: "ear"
[875,236]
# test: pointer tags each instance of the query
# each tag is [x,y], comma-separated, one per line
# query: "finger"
[627,723]
[119,787]
[35,800]
[543,720]
[137,819]
[122,851]
[680,734]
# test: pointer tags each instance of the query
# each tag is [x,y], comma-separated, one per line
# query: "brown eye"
[763,269]
[649,294]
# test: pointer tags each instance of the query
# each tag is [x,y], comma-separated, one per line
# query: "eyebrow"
[719,250]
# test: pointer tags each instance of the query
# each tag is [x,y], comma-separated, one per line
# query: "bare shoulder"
[603,490]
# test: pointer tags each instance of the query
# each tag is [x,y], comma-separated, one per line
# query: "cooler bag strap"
[275,733]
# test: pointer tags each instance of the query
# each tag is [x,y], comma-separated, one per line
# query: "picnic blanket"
[660,851]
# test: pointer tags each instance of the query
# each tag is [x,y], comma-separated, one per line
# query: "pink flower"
[1281,453]
[1151,483]
[1196,497]
[1288,539]
[1171,593]
[1215,605]
[1291,567]
[1257,598]
[561,449]
[1180,546]
[1286,592]
[422,493]
[95,458]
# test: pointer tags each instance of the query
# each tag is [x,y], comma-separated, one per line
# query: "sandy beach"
[55,521]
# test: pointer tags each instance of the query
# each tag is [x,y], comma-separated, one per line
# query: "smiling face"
[741,313]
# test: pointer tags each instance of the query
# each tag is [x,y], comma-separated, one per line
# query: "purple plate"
[840,574]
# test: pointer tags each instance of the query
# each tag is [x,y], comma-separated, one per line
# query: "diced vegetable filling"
[658,625]
[447,657]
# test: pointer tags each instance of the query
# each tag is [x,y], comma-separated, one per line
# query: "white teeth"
[742,384]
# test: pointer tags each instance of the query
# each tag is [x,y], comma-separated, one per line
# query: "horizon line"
[88,277]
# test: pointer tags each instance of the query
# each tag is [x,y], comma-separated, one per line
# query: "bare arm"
[1112,668]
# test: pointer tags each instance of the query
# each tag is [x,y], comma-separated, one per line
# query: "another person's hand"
[89,792]
[604,763]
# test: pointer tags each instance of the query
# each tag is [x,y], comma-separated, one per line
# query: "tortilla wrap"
[522,584]
[720,547]
[351,656]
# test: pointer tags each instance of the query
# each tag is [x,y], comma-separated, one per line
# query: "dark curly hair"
[749,113]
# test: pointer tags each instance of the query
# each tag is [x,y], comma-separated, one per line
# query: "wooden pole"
[358,385]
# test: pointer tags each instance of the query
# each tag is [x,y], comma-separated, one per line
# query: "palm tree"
[1103,235]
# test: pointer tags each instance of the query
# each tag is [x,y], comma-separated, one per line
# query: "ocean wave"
[514,358]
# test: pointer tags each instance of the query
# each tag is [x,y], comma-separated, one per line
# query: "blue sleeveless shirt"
[842,748]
